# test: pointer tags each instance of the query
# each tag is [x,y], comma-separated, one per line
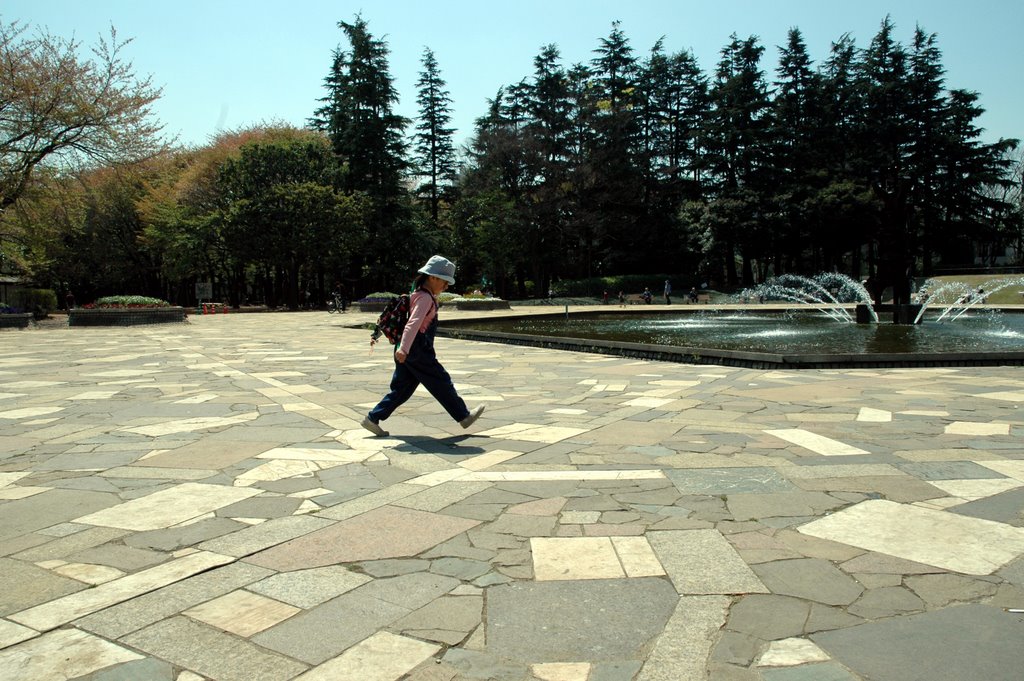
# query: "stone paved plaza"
[197,501]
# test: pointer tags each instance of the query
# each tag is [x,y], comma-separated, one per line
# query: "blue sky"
[226,64]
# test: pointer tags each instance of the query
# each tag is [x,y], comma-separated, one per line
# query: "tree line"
[864,164]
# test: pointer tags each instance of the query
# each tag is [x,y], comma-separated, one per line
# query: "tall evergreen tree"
[886,134]
[368,136]
[612,158]
[845,209]
[926,114]
[546,139]
[975,184]
[435,161]
[797,164]
[738,135]
[672,94]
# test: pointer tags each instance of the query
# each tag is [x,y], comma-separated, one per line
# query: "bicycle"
[336,304]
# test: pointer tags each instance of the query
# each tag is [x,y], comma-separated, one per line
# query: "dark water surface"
[788,333]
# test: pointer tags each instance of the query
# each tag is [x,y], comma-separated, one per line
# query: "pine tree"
[546,139]
[435,160]
[368,137]
[738,136]
[612,156]
[797,162]
[883,151]
[927,111]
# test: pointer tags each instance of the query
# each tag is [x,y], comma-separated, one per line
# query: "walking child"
[415,359]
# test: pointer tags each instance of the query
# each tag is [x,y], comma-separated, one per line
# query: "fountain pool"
[807,322]
[758,338]
[785,333]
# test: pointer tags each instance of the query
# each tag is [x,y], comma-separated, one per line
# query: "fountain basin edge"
[738,358]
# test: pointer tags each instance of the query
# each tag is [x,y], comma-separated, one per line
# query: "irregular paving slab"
[25,585]
[982,429]
[790,652]
[682,650]
[703,562]
[574,558]
[570,621]
[190,425]
[593,558]
[561,671]
[242,612]
[947,540]
[449,619]
[211,653]
[271,533]
[60,655]
[168,507]
[954,644]
[757,480]
[1006,507]
[50,508]
[531,432]
[816,671]
[68,608]
[781,504]
[142,611]
[381,657]
[309,588]
[329,629]
[811,579]
[11,633]
[387,532]
[819,444]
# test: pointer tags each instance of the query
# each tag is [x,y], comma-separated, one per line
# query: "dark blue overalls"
[421,366]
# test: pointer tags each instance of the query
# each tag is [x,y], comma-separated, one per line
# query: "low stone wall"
[15,320]
[125,316]
[738,358]
[482,305]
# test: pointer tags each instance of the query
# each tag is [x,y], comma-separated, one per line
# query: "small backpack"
[392,320]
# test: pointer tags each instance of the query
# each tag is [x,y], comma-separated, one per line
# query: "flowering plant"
[377,298]
[127,301]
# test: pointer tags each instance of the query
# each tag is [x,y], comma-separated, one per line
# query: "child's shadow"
[449,446]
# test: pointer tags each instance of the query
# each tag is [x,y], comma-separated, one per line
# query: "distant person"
[340,296]
[604,298]
[415,360]
[647,295]
[668,292]
[69,299]
[693,295]
[622,299]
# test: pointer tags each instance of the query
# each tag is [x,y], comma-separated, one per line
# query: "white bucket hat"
[439,267]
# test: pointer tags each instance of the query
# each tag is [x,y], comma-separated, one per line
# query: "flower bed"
[375,302]
[15,320]
[481,304]
[125,311]
[125,316]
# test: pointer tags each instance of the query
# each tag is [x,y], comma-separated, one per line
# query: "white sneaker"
[373,427]
[473,416]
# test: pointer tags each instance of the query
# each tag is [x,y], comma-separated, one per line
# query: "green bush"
[129,301]
[379,297]
[628,283]
[31,299]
